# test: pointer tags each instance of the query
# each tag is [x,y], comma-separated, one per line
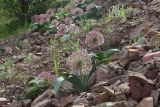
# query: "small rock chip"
[133,54]
[151,74]
[26,103]
[117,104]
[8,50]
[2,92]
[3,101]
[155,95]
[81,101]
[46,95]
[147,88]
[79,106]
[16,104]
[44,103]
[64,101]
[150,56]
[146,102]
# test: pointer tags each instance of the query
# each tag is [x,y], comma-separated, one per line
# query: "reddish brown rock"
[133,54]
[140,86]
[138,76]
[147,89]
[136,89]
[151,74]
[3,101]
[150,56]
[146,102]
[155,94]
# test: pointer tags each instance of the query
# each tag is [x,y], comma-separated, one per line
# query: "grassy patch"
[8,29]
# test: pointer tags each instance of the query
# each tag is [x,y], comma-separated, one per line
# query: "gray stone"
[26,103]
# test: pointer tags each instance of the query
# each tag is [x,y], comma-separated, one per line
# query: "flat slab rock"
[140,86]
[139,77]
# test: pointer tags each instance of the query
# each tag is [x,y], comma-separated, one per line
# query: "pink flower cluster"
[73,28]
[78,1]
[94,39]
[90,7]
[76,12]
[69,8]
[55,22]
[68,20]
[46,75]
[62,28]
[79,62]
[42,17]
[66,27]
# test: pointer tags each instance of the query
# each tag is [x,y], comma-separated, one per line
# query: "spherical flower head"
[78,1]
[62,28]
[76,12]
[90,7]
[46,75]
[68,20]
[69,8]
[79,62]
[94,39]
[73,28]
[55,22]
[45,17]
[36,18]
[50,11]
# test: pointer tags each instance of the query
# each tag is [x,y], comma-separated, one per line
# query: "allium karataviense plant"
[94,39]
[79,63]
[82,65]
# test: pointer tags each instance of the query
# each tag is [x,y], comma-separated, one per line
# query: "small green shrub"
[35,87]
[42,27]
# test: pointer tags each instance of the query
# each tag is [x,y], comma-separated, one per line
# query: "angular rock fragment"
[46,95]
[64,101]
[140,86]
[151,74]
[3,101]
[151,56]
[155,95]
[118,104]
[146,102]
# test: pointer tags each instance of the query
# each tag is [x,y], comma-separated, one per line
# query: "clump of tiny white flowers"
[79,62]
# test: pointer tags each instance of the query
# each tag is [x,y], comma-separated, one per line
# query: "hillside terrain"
[99,53]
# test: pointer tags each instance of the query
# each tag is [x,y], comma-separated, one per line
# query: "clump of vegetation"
[18,13]
[36,86]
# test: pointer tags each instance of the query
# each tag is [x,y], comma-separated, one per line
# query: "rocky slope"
[131,79]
